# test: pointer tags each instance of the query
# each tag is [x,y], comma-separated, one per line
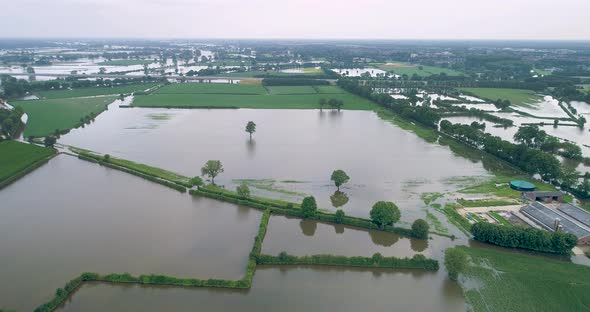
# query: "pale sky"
[318,19]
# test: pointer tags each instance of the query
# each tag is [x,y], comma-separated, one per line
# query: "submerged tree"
[212,168]
[250,128]
[455,262]
[385,213]
[339,177]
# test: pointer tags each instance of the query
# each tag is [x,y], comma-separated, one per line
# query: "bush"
[338,216]
[455,262]
[196,181]
[243,191]
[420,229]
[309,207]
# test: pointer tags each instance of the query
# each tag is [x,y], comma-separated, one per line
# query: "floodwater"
[292,153]
[287,289]
[71,216]
[310,237]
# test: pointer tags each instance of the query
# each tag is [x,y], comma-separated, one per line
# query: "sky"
[297,19]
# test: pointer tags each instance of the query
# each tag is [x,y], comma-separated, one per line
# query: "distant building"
[546,197]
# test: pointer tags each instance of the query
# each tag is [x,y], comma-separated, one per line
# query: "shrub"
[338,216]
[196,181]
[420,229]
[243,190]
[455,262]
[309,207]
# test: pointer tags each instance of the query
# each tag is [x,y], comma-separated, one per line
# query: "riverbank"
[17,159]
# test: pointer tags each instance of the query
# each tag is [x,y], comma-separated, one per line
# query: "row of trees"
[332,103]
[525,238]
[534,137]
[528,159]
[10,121]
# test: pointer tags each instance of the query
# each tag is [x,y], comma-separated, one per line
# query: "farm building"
[546,197]
[551,220]
[576,212]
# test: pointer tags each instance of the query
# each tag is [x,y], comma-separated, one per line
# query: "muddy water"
[287,289]
[308,237]
[294,151]
[70,216]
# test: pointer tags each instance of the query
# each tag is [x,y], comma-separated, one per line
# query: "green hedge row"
[291,209]
[120,163]
[256,248]
[418,261]
[61,294]
[167,183]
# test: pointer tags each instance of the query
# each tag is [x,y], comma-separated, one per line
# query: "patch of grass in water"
[435,222]
[522,282]
[428,198]
[267,185]
[160,116]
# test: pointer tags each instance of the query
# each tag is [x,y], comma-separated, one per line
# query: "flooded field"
[288,289]
[84,217]
[309,237]
[292,153]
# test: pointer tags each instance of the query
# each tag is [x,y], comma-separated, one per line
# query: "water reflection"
[251,147]
[308,227]
[383,238]
[303,287]
[338,199]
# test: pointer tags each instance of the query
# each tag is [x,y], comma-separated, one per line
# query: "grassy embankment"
[158,175]
[504,281]
[518,97]
[125,62]
[81,92]
[197,95]
[46,116]
[400,68]
[17,159]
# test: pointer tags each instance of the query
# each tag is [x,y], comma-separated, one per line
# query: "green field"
[411,69]
[211,88]
[517,97]
[303,101]
[60,94]
[125,62]
[17,156]
[45,116]
[329,90]
[286,90]
[503,281]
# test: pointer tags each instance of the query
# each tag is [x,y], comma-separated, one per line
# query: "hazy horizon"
[297,19]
